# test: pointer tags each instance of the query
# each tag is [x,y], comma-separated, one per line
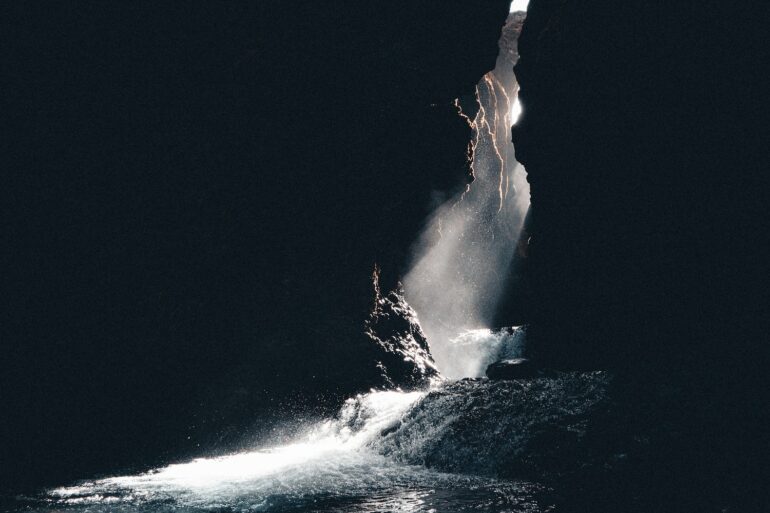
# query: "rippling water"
[357,481]
[333,467]
[441,450]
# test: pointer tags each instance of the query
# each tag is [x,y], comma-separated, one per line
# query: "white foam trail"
[339,465]
[314,462]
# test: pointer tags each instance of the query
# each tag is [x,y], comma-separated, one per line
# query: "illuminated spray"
[454,285]
[463,257]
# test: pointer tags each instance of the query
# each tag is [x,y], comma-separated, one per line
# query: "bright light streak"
[462,257]
[519,5]
[515,111]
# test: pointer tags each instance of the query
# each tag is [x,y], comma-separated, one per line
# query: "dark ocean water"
[334,466]
[445,449]
[344,487]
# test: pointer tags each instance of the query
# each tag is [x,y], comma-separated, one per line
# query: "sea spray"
[464,255]
[338,465]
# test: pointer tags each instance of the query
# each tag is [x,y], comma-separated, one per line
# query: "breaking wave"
[338,465]
[456,447]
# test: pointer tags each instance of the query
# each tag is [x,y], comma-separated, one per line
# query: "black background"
[194,196]
[194,199]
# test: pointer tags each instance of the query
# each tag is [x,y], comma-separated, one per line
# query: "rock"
[523,429]
[401,349]
[515,368]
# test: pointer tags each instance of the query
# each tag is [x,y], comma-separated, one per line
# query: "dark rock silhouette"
[401,351]
[541,428]
[644,218]
[640,133]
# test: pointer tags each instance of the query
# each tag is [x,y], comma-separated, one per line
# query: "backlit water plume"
[465,252]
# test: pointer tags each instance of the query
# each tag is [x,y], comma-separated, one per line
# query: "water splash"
[471,352]
[335,466]
[360,420]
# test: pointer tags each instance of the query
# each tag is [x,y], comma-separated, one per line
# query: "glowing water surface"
[331,468]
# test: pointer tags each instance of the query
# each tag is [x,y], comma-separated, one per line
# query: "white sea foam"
[469,354]
[334,467]
[324,449]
